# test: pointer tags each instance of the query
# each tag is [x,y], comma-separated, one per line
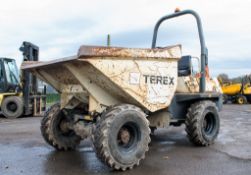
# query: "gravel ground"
[23,151]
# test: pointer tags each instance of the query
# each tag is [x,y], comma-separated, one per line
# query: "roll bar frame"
[204,51]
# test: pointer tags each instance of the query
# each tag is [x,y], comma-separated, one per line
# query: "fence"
[52,99]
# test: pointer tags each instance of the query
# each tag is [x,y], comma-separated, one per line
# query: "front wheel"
[202,123]
[54,133]
[121,137]
[12,107]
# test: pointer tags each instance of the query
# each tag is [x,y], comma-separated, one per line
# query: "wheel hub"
[124,136]
[64,126]
[12,106]
[208,123]
[240,100]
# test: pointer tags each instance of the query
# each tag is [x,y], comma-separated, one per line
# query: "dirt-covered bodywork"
[104,76]
[119,96]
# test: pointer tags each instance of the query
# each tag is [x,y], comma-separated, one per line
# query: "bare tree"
[223,78]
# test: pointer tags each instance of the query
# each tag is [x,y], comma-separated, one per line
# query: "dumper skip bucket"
[104,76]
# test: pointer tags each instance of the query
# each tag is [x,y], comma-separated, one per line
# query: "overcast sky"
[59,27]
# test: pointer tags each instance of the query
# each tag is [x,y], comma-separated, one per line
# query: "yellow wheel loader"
[20,97]
[237,92]
[117,95]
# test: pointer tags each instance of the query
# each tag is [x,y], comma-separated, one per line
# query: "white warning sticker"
[134,78]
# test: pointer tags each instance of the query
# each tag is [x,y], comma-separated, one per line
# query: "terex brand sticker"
[134,78]
[151,79]
[163,80]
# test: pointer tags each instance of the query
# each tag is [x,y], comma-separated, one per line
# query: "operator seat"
[184,66]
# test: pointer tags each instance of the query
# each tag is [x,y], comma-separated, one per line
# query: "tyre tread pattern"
[20,107]
[100,135]
[47,130]
[193,126]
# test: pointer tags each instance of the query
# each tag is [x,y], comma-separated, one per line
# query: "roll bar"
[204,51]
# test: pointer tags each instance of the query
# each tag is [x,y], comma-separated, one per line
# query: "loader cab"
[9,76]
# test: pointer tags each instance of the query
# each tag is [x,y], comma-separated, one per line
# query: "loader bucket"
[104,76]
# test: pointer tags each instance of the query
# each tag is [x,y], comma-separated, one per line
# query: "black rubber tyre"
[248,98]
[202,123]
[121,137]
[241,99]
[53,135]
[12,107]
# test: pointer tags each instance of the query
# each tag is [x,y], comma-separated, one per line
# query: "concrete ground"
[23,151]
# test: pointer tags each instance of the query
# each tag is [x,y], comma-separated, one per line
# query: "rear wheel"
[54,133]
[202,123]
[12,107]
[241,99]
[121,137]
